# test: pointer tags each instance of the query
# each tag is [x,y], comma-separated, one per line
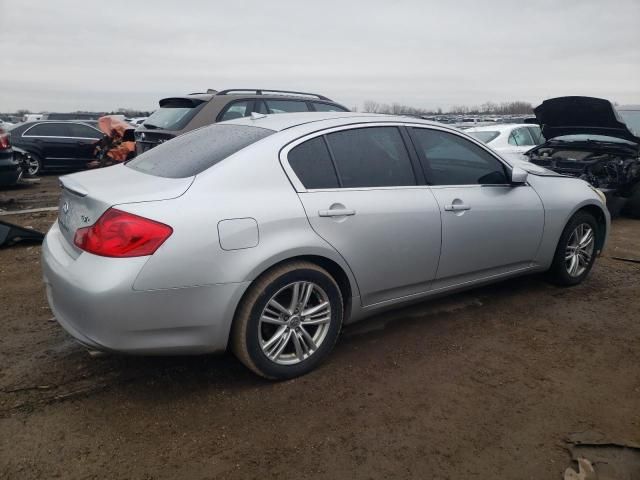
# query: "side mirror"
[518,176]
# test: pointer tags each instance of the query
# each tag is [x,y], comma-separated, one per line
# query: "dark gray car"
[178,115]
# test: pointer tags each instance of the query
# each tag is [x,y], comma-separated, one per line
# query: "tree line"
[487,108]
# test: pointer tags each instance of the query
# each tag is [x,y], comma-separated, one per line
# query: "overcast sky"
[67,55]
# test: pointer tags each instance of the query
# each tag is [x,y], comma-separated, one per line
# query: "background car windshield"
[485,137]
[171,118]
[194,152]
[632,119]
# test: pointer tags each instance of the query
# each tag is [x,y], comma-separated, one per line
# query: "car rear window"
[312,163]
[327,107]
[174,114]
[196,151]
[484,136]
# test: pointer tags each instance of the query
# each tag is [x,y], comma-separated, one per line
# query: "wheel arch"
[338,270]
[601,218]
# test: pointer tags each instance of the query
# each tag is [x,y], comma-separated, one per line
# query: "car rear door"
[361,191]
[489,227]
[82,143]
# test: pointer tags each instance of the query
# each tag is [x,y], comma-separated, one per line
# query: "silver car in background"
[267,234]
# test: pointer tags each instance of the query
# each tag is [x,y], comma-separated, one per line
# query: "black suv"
[181,114]
[57,144]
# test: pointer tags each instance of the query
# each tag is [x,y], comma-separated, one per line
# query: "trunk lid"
[581,115]
[87,195]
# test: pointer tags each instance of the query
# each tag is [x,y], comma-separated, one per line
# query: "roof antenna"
[257,116]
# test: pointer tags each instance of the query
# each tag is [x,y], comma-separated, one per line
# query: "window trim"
[506,166]
[24,134]
[299,186]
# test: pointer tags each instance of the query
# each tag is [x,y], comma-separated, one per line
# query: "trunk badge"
[65,207]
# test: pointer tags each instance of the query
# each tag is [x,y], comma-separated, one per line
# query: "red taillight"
[4,140]
[122,234]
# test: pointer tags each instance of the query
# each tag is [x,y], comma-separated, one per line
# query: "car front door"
[360,190]
[489,227]
[50,142]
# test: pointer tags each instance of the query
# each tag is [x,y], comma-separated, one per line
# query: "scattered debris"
[11,234]
[623,259]
[585,471]
[608,460]
[28,210]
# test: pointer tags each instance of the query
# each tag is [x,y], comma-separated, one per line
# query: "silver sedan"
[267,234]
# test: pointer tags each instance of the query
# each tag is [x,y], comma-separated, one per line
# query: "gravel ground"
[496,382]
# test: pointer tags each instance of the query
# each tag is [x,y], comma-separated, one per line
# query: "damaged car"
[272,231]
[589,139]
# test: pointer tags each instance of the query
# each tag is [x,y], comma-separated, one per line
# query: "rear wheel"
[575,253]
[288,321]
[31,164]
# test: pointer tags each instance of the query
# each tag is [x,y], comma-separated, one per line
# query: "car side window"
[521,137]
[449,159]
[327,107]
[536,133]
[371,157]
[286,106]
[312,164]
[82,131]
[237,110]
[48,130]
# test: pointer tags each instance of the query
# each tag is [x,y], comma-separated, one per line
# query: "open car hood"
[581,115]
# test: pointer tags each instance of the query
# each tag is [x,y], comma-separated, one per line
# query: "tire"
[632,208]
[561,271]
[32,168]
[252,336]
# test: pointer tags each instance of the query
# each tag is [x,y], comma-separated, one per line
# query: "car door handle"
[457,207]
[336,212]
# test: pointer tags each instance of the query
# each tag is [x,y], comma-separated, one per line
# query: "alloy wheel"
[579,250]
[294,323]
[33,166]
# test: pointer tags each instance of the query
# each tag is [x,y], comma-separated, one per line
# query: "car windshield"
[485,136]
[196,151]
[632,119]
[172,117]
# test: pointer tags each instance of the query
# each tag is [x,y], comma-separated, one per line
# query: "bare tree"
[370,106]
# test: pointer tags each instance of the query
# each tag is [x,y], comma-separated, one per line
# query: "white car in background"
[509,140]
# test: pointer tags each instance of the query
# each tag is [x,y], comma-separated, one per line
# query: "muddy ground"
[493,383]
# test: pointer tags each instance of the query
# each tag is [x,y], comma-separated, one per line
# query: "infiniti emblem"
[65,207]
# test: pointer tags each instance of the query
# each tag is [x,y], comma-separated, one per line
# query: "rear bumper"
[93,300]
[10,172]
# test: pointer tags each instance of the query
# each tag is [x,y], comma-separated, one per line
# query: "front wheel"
[288,321]
[575,253]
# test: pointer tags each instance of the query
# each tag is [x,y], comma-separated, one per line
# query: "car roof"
[283,121]
[500,127]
